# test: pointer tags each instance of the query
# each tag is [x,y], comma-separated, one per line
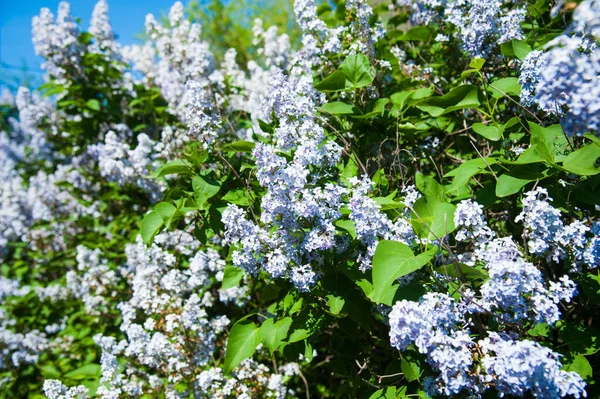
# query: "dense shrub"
[403,203]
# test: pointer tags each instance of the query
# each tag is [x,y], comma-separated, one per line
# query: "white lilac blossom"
[434,326]
[515,289]
[19,348]
[563,79]
[279,242]
[202,115]
[44,200]
[56,41]
[419,322]
[100,28]
[483,25]
[519,367]
[546,233]
[530,76]
[121,164]
[174,55]
[7,99]
[365,36]
[250,379]
[515,295]
[373,225]
[172,141]
[437,326]
[54,389]
[542,223]
[319,41]
[273,47]
[10,287]
[167,327]
[480,26]
[423,12]
[591,255]
[94,281]
[471,225]
[586,18]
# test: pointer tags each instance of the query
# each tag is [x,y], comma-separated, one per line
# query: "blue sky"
[127,18]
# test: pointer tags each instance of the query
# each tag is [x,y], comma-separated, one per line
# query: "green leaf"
[461,270]
[384,393]
[204,189]
[348,226]
[84,372]
[432,218]
[335,303]
[308,326]
[238,197]
[583,161]
[418,33]
[386,203]
[410,368]
[166,211]
[243,339]
[358,71]
[509,185]
[93,104]
[463,97]
[334,82]
[580,365]
[52,89]
[265,127]
[539,330]
[175,166]
[428,185]
[463,174]
[296,306]
[50,371]
[580,339]
[377,109]
[273,333]
[392,260]
[231,276]
[339,108]
[549,142]
[515,48]
[239,146]
[491,132]
[477,63]
[351,168]
[151,224]
[505,86]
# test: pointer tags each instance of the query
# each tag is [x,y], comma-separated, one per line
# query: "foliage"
[402,203]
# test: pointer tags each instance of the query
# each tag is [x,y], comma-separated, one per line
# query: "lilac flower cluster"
[174,55]
[471,225]
[438,327]
[564,79]
[373,225]
[125,166]
[296,223]
[56,41]
[515,295]
[423,12]
[434,326]
[517,367]
[515,289]
[480,26]
[100,28]
[549,237]
[166,323]
[483,25]
[319,41]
